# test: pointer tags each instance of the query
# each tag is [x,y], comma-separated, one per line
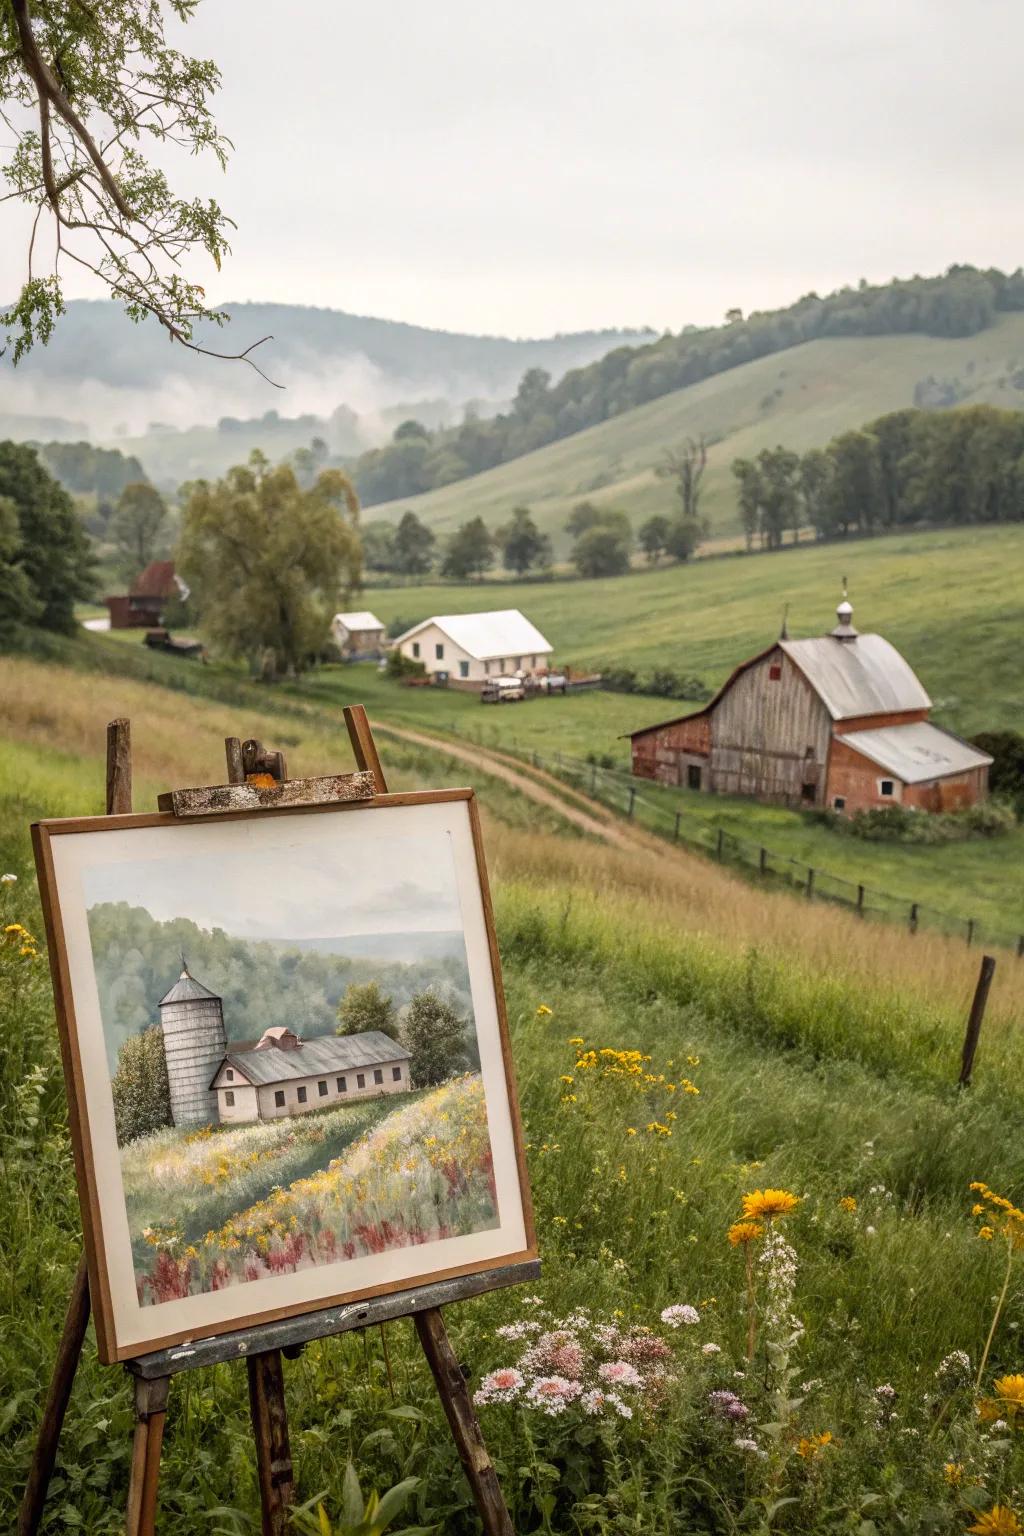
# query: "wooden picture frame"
[62,855]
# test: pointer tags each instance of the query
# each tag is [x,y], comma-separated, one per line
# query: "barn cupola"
[844,629]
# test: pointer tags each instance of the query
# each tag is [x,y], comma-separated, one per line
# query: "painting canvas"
[287,1058]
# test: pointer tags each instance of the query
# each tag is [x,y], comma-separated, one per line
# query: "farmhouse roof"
[324,1053]
[157,580]
[917,752]
[867,677]
[364,620]
[484,636]
[187,990]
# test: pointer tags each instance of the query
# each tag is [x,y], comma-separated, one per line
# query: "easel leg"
[270,1431]
[150,1413]
[464,1424]
[58,1397]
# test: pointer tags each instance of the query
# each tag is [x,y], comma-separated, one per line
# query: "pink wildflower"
[553,1394]
[619,1373]
[499,1386]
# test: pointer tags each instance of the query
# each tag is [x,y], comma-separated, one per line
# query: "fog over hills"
[106,379]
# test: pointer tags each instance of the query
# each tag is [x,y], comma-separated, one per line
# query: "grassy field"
[824,1053]
[950,600]
[801,398]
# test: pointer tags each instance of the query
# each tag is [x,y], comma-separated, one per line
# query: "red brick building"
[840,720]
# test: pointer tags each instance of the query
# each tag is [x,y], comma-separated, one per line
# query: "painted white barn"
[471,647]
[284,1075]
[358,634]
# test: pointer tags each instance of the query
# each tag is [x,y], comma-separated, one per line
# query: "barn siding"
[770,738]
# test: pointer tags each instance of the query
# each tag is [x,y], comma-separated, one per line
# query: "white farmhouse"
[284,1075]
[471,647]
[358,634]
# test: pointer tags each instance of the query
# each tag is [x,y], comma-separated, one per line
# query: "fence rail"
[617,790]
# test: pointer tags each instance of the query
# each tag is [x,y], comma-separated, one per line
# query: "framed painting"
[287,1060]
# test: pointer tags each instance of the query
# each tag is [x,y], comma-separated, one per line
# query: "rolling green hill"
[801,397]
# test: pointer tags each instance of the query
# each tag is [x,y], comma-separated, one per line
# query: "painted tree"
[142,1095]
[268,563]
[434,1034]
[365,1007]
[84,90]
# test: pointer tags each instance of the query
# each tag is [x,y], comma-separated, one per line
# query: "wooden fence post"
[632,800]
[970,932]
[913,917]
[593,779]
[1020,947]
[675,830]
[810,880]
[977,1013]
[763,862]
[860,901]
[720,849]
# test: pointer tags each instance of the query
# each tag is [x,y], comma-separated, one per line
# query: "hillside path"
[543,788]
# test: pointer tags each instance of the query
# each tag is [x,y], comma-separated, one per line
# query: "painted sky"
[550,166]
[399,885]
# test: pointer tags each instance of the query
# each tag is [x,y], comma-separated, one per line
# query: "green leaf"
[394,1501]
[351,1497]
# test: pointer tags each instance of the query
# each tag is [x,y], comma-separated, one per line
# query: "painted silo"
[195,1044]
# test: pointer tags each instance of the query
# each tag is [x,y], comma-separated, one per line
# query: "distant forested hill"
[261,984]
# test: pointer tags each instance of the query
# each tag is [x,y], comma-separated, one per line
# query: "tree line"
[908,468]
[962,302]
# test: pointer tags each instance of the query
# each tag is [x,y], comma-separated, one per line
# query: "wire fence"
[619,791]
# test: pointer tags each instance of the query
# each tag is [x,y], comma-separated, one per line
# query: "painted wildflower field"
[274,1197]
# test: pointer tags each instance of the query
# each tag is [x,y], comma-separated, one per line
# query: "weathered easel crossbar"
[258,780]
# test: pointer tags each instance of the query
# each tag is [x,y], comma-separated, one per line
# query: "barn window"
[886,787]
[229,1098]
[279,1098]
[774,672]
[378,1075]
[342,1085]
[839,802]
[693,776]
[396,1074]
[229,1075]
[360,1080]
[807,793]
[321,1088]
[302,1095]
[463,668]
[416,648]
[439,651]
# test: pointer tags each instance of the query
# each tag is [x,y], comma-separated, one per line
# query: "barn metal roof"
[484,636]
[187,990]
[866,676]
[365,620]
[325,1053]
[916,752]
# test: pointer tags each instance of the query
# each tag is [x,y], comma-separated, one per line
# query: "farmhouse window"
[807,793]
[342,1085]
[301,1095]
[487,669]
[321,1088]
[229,1075]
[378,1075]
[463,668]
[839,802]
[229,1098]
[439,651]
[279,1098]
[396,1074]
[693,776]
[416,648]
[886,786]
[774,672]
[519,663]
[360,1080]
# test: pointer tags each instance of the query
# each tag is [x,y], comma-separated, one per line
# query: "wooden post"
[970,932]
[763,861]
[118,803]
[913,917]
[975,1017]
[593,779]
[675,829]
[463,1422]
[1020,947]
[860,901]
[720,849]
[270,1430]
[632,800]
[150,1413]
[363,746]
[810,880]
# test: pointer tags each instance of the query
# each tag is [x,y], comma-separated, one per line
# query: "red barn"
[839,721]
[151,591]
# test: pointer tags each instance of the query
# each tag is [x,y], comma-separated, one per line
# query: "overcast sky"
[557,164]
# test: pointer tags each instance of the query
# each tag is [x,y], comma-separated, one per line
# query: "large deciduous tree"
[52,550]
[435,1037]
[685,466]
[413,546]
[87,89]
[470,550]
[267,562]
[522,545]
[135,526]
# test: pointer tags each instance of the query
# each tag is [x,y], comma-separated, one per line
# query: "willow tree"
[268,563]
[87,89]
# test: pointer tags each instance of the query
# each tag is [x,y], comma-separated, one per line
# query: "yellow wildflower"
[809,1445]
[543,1011]
[953,1472]
[567,1077]
[744,1232]
[769,1203]
[1000,1520]
[986,1233]
[847,1203]
[576,1040]
[1010,1392]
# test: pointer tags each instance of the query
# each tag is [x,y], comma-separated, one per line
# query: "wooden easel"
[258,777]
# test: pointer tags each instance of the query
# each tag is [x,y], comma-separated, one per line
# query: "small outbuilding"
[282,1074]
[151,592]
[838,721]
[472,647]
[358,636]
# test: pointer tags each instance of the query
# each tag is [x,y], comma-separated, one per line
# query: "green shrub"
[896,824]
[404,666]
